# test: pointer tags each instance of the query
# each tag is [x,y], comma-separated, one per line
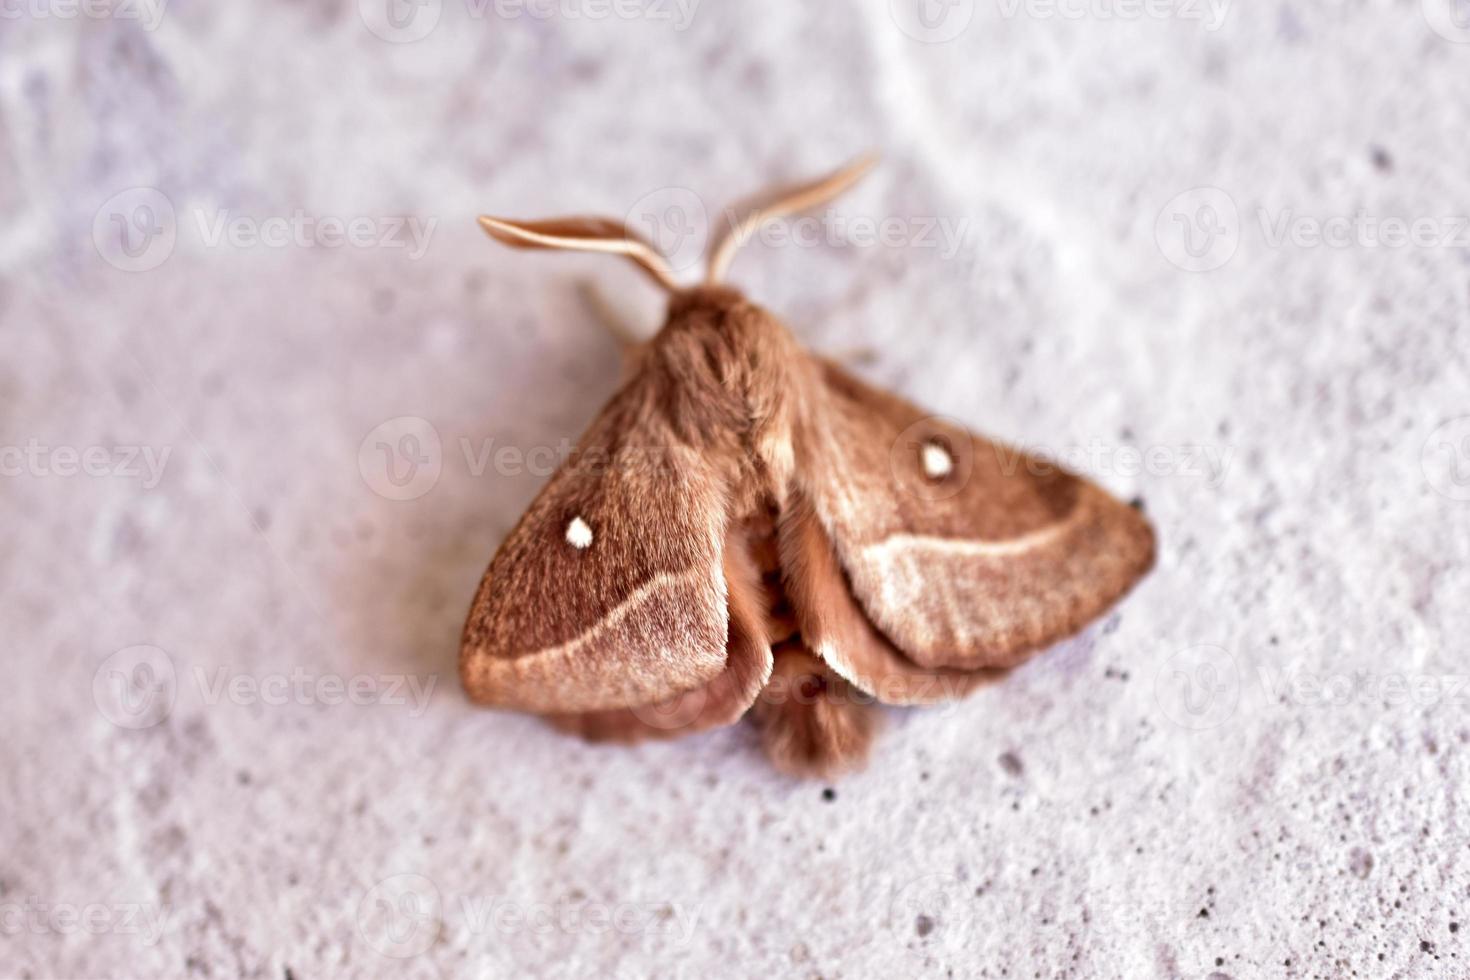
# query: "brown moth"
[749,528]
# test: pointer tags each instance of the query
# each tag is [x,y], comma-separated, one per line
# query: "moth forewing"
[995,556]
[721,701]
[610,591]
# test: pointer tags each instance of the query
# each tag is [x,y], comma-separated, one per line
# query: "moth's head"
[741,222]
[713,299]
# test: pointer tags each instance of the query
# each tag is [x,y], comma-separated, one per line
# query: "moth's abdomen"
[812,722]
[765,552]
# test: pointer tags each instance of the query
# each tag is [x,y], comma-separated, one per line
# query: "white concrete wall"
[1171,795]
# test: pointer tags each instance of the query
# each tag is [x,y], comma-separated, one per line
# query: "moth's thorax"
[735,376]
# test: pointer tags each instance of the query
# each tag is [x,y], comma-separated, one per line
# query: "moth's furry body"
[748,528]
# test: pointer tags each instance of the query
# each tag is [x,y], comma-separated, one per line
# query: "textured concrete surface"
[259,365]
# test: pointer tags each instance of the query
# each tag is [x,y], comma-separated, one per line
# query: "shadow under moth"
[749,528]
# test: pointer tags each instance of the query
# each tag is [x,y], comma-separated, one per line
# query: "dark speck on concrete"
[923,925]
[1011,763]
[1360,862]
[829,794]
[1382,159]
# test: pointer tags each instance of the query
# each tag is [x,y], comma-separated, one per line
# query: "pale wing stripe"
[538,658]
[971,548]
[882,550]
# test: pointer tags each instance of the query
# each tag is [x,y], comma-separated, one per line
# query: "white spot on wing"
[936,461]
[579,535]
